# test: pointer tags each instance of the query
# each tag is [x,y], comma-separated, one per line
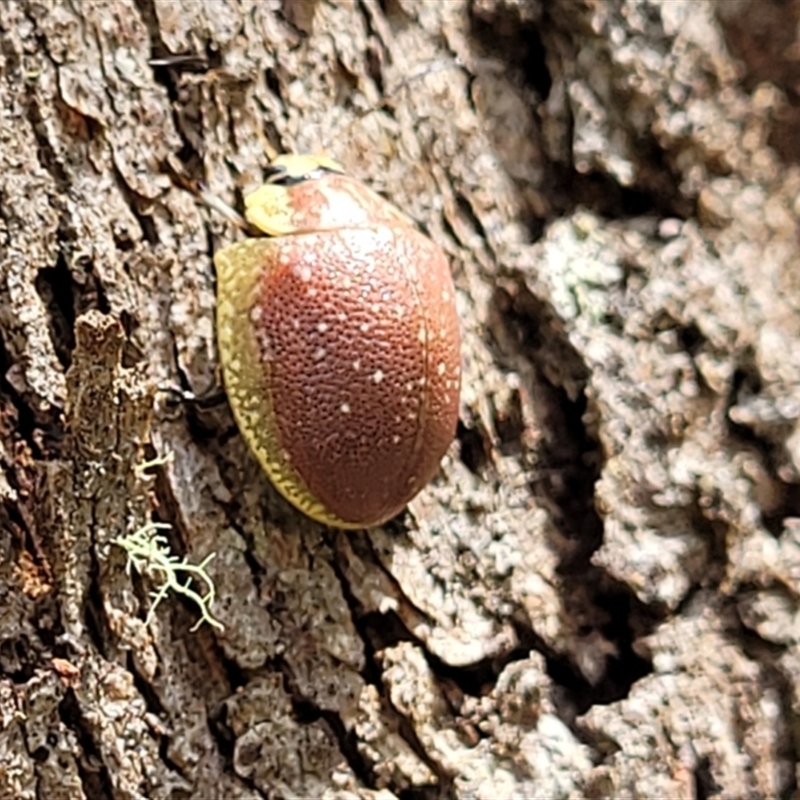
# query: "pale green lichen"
[149,554]
[159,461]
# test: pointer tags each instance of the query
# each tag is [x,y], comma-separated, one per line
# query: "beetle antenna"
[208,198]
[431,68]
[221,207]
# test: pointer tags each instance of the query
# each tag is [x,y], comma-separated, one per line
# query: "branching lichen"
[158,461]
[149,554]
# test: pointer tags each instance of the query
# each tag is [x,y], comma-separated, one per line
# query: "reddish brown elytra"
[339,342]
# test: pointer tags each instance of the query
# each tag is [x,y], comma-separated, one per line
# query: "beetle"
[339,343]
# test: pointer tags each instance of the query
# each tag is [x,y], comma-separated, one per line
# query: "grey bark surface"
[599,595]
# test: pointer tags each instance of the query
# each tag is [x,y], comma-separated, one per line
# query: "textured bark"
[599,595]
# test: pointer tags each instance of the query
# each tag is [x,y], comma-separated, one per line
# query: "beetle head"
[305,194]
[288,170]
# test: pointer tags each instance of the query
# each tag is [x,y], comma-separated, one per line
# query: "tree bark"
[598,595]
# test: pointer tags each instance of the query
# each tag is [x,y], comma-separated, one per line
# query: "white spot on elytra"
[422,335]
[395,439]
[305,274]
[378,376]
[319,354]
[256,312]
[296,324]
[322,327]
[364,327]
[441,368]
[357,364]
[344,408]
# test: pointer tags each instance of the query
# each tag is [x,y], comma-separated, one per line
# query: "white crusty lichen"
[149,554]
